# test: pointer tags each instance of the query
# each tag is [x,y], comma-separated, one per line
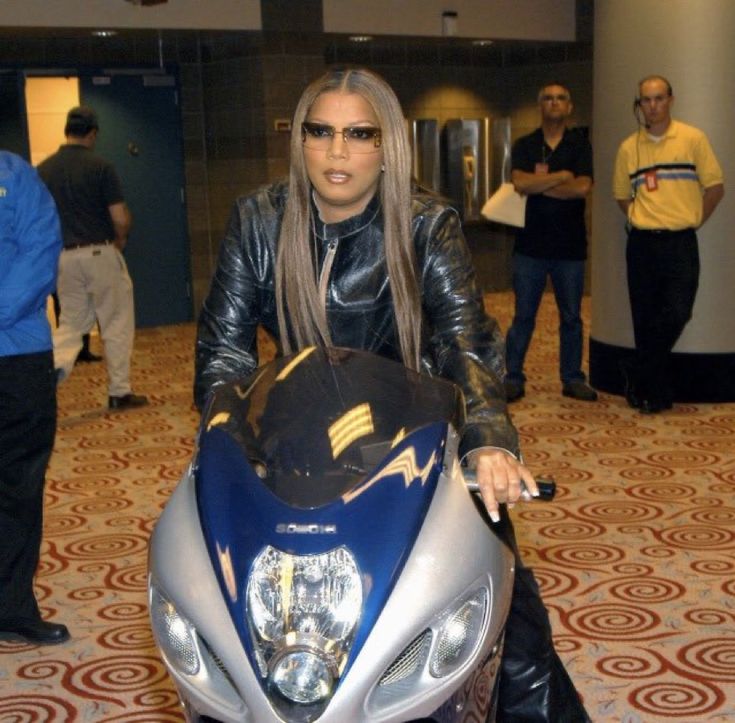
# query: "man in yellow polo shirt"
[667,182]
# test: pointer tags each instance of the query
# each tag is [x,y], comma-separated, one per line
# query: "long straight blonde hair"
[302,321]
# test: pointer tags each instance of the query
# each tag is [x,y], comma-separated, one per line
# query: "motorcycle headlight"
[175,634]
[459,634]
[303,611]
[302,676]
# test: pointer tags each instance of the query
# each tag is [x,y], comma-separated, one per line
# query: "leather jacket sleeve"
[465,345]
[239,298]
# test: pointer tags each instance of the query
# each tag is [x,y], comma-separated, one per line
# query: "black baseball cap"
[80,121]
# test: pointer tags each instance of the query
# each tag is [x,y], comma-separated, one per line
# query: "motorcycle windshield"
[313,425]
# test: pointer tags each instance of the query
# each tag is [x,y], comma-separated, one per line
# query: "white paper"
[506,205]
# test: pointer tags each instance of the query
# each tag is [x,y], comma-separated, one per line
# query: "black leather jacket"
[460,342]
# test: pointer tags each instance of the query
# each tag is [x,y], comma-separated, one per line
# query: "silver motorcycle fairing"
[293,421]
[454,553]
[180,568]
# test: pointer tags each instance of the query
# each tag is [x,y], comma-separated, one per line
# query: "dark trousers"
[663,275]
[27,430]
[534,685]
[529,282]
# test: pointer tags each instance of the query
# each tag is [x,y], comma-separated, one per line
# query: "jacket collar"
[348,227]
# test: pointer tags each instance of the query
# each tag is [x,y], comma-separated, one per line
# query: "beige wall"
[517,19]
[202,14]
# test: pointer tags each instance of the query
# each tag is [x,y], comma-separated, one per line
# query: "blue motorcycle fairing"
[316,422]
[378,520]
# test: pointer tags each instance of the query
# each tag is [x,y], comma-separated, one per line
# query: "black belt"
[662,231]
[84,244]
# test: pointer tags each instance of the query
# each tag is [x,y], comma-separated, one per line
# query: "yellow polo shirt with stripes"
[680,164]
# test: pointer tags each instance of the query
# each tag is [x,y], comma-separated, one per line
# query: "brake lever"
[546,485]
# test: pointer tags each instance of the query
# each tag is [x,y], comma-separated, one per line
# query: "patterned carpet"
[636,556]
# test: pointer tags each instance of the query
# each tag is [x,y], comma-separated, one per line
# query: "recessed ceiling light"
[482,43]
[360,38]
[104,33]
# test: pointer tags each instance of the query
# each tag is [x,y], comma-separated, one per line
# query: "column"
[690,42]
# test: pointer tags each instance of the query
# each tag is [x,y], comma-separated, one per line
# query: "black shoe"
[85,356]
[631,395]
[654,406]
[646,406]
[513,390]
[579,390]
[127,401]
[38,632]
[632,398]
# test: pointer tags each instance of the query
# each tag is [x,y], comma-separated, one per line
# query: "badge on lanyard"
[542,169]
[651,180]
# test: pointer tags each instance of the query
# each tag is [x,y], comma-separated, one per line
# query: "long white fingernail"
[494,516]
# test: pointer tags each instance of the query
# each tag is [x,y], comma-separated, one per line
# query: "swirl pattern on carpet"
[635,557]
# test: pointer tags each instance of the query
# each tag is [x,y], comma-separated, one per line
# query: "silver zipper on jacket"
[326,269]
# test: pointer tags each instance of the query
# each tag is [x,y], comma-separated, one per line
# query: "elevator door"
[140,133]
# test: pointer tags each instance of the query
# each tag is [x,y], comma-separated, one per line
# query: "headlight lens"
[459,634]
[175,634]
[303,611]
[303,677]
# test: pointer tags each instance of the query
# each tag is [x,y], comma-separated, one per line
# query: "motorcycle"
[322,557]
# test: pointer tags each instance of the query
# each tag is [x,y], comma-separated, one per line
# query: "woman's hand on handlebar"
[502,479]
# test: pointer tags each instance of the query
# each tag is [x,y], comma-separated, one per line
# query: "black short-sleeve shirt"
[83,186]
[554,228]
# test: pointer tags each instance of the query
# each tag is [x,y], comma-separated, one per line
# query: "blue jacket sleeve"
[30,241]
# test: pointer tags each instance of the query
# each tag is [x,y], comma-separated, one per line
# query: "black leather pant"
[534,685]
[27,430]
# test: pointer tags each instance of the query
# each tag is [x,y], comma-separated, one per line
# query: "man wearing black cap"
[94,284]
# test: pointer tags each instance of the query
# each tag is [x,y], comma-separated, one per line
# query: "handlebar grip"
[546,488]
[546,485]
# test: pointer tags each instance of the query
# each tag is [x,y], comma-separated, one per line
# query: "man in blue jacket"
[30,242]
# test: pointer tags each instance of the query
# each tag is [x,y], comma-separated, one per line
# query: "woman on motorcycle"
[347,253]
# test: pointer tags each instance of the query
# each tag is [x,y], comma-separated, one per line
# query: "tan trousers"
[94,285]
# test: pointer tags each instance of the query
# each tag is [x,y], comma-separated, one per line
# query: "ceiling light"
[360,38]
[104,33]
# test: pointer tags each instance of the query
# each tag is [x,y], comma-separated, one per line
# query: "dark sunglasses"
[359,139]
